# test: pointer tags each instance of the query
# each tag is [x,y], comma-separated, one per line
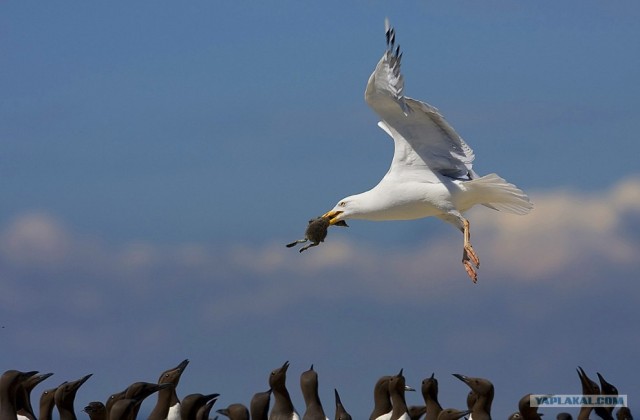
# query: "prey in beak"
[317,231]
[333,216]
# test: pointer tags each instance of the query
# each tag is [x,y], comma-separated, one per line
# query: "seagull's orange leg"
[469,256]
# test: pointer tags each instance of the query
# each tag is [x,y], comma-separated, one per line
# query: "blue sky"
[155,157]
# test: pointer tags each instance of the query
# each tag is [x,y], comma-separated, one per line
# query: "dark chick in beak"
[316,232]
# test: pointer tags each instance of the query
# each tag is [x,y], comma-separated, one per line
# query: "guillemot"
[282,407]
[65,396]
[483,392]
[113,398]
[430,395]
[235,412]
[138,391]
[341,412]
[416,411]
[397,388]
[203,411]
[309,387]
[452,414]
[589,387]
[47,402]
[168,405]
[96,410]
[381,400]
[192,403]
[526,410]
[10,383]
[606,388]
[24,409]
[259,405]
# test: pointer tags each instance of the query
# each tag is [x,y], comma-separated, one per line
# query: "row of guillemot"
[389,400]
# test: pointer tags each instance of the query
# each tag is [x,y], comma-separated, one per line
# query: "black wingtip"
[390,34]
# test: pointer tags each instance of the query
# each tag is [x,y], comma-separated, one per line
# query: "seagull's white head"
[347,208]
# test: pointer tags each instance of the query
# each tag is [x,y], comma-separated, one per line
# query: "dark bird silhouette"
[47,402]
[65,396]
[192,403]
[589,387]
[430,395]
[309,387]
[96,410]
[259,405]
[235,412]
[526,410]
[452,414]
[113,398]
[282,407]
[624,413]
[381,398]
[416,411]
[10,385]
[483,391]
[606,388]
[123,409]
[397,387]
[168,404]
[24,409]
[203,412]
[341,412]
[137,392]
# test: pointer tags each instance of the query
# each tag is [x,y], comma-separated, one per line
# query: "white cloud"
[35,238]
[567,231]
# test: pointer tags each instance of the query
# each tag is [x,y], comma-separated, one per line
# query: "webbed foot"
[304,248]
[299,241]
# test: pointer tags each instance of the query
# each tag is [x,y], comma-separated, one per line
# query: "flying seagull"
[431,172]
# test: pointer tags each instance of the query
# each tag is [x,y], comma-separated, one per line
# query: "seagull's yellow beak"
[333,216]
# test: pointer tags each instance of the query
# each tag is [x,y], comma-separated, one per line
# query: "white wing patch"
[428,137]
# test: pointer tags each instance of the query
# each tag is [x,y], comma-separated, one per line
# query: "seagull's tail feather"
[500,195]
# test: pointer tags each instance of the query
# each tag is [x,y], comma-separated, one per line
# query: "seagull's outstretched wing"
[424,141]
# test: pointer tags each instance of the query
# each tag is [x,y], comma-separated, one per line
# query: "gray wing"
[424,140]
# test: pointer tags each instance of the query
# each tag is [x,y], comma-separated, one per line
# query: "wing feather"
[424,139]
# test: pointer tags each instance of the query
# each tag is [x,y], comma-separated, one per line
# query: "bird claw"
[470,254]
[469,260]
[471,271]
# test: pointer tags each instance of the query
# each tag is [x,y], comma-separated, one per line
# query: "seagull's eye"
[342,203]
